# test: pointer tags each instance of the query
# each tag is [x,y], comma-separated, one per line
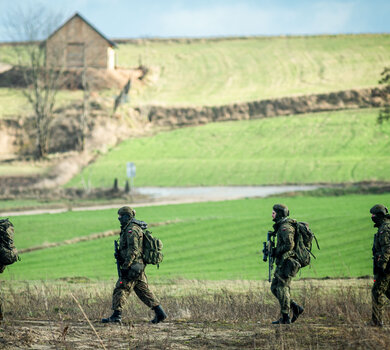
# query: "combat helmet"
[281,210]
[126,210]
[379,210]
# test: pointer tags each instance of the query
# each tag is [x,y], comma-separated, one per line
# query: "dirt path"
[177,195]
[181,335]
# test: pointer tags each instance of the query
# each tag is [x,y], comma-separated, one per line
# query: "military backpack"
[303,243]
[8,252]
[152,249]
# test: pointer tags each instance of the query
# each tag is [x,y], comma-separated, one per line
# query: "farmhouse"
[78,44]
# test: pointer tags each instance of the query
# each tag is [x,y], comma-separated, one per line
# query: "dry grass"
[202,315]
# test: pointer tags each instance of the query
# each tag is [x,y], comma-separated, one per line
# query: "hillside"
[216,240]
[217,72]
[333,147]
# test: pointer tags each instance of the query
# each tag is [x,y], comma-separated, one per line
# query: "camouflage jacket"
[130,245]
[8,252]
[285,232]
[381,248]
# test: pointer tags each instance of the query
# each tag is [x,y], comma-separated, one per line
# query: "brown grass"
[202,315]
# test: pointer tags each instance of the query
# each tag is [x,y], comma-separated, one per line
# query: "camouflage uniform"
[286,266]
[130,250]
[2,268]
[381,256]
[8,252]
[132,269]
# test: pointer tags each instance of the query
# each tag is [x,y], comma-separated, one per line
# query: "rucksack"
[152,247]
[303,243]
[8,252]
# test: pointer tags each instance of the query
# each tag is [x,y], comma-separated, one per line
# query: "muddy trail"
[43,334]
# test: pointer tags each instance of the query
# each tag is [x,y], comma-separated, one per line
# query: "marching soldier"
[8,252]
[286,266]
[381,256]
[132,269]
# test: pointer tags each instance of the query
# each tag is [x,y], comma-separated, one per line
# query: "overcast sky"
[203,18]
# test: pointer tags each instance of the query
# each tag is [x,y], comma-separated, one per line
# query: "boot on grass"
[116,317]
[160,315]
[297,310]
[375,321]
[285,319]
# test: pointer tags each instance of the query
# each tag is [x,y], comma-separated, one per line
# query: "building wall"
[76,44]
[111,58]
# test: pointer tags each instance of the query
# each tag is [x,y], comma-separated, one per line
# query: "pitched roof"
[89,24]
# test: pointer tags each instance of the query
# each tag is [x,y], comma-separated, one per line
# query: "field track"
[182,335]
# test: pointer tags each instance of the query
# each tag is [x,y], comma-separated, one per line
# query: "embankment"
[349,99]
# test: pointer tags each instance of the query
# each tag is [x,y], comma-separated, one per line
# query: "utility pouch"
[135,270]
[290,267]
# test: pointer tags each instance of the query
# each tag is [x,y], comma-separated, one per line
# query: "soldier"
[132,269]
[2,268]
[381,256]
[8,252]
[286,266]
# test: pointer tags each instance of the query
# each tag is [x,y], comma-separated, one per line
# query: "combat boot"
[375,321]
[297,310]
[116,317]
[285,319]
[160,315]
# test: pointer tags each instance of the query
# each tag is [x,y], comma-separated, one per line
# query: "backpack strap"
[315,238]
[311,253]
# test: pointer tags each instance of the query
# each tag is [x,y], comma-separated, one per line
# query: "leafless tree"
[29,25]
[384,112]
[85,84]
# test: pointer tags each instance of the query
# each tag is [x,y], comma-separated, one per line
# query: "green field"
[217,72]
[225,71]
[334,147]
[216,240]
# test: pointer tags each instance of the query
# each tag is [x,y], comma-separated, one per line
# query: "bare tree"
[384,112]
[29,25]
[85,84]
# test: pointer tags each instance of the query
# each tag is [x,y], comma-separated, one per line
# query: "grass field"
[208,72]
[13,104]
[216,240]
[226,71]
[334,147]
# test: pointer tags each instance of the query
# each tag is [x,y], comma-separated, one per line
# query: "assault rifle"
[268,250]
[118,265]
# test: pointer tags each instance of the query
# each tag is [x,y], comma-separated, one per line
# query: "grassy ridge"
[217,240]
[227,71]
[208,72]
[345,146]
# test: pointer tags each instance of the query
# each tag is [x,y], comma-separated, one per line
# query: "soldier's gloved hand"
[116,255]
[273,252]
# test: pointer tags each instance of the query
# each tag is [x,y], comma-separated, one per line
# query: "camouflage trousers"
[380,291]
[280,286]
[141,288]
